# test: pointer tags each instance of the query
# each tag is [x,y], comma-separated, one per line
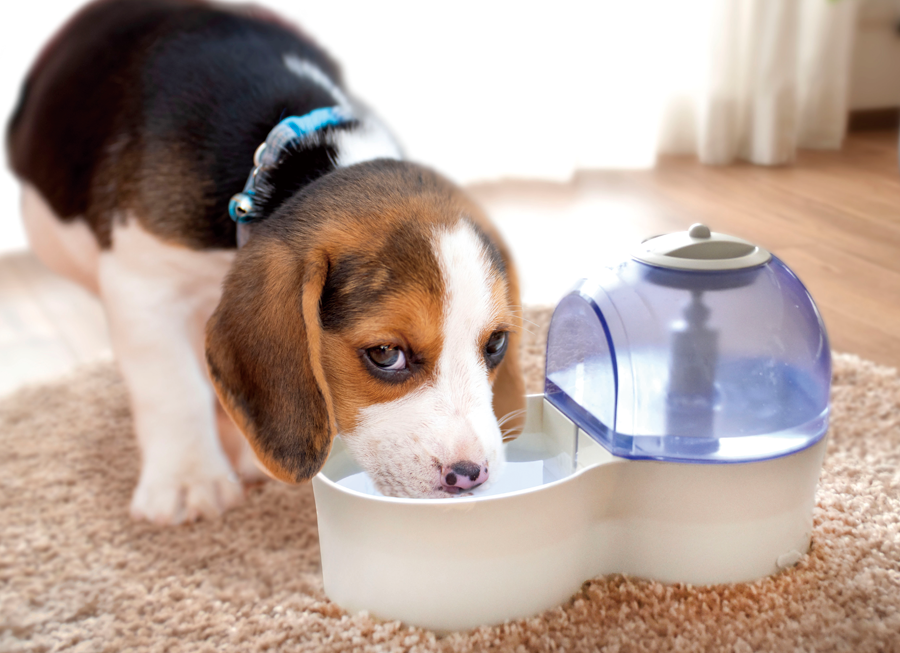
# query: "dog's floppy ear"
[263,350]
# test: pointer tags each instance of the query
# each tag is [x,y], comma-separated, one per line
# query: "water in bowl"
[516,476]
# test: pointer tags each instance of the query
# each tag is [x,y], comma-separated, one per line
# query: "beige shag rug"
[77,575]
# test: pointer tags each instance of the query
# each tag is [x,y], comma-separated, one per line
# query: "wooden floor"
[834,217]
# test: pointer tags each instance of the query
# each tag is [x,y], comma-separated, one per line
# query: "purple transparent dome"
[692,366]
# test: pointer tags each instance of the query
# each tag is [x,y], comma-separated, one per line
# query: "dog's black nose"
[467,468]
[463,475]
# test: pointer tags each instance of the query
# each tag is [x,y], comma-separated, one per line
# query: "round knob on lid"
[698,248]
[699,230]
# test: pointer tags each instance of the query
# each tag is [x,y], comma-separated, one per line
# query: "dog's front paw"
[164,498]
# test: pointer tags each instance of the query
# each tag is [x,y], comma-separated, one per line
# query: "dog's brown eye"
[496,348]
[387,357]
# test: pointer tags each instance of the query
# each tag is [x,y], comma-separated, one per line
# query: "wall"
[875,77]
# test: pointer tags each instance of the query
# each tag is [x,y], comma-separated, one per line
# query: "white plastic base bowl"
[458,563]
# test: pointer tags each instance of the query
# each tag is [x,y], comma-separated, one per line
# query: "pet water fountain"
[679,438]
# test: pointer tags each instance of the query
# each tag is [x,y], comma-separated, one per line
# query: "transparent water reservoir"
[705,356]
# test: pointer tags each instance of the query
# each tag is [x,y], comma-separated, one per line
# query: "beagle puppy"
[371,299]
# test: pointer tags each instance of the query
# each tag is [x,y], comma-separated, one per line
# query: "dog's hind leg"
[66,247]
[158,298]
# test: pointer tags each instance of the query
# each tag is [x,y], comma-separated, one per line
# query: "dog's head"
[378,303]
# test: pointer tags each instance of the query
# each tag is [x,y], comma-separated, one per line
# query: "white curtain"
[776,77]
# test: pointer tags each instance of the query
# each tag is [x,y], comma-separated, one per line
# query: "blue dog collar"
[288,131]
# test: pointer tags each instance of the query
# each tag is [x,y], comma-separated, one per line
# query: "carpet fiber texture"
[77,574]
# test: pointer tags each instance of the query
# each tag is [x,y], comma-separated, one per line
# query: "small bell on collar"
[240,207]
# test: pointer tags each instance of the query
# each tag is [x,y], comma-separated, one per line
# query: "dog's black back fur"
[156,106]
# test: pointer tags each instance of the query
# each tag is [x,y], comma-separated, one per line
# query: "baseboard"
[862,120]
